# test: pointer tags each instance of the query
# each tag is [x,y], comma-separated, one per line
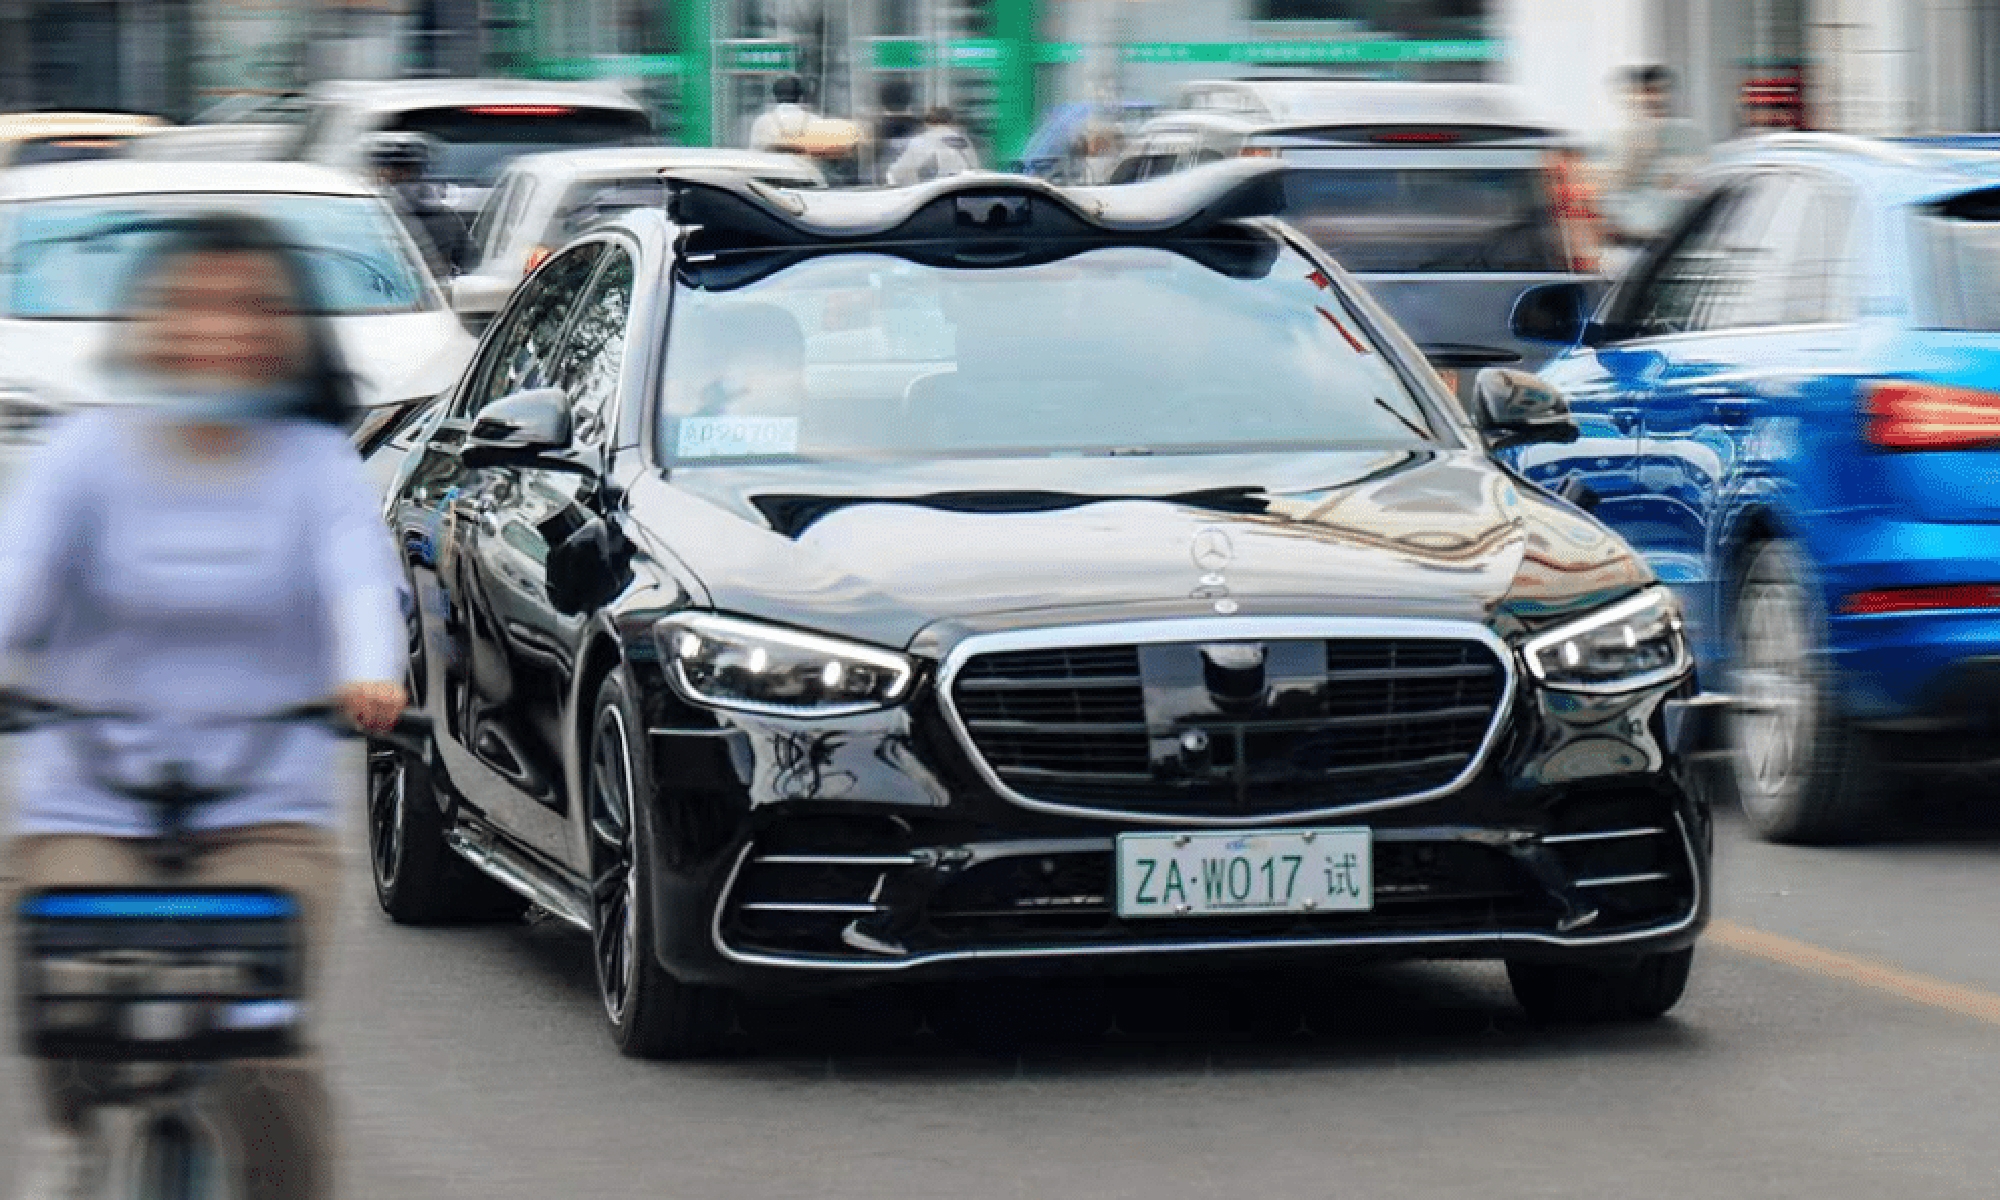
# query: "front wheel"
[652,1014]
[1636,990]
[419,879]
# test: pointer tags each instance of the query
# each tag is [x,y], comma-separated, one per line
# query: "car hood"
[901,555]
[394,356]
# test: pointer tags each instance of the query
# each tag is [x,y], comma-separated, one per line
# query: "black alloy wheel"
[1637,989]
[652,1014]
[419,879]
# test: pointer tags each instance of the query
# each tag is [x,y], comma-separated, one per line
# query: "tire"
[172,1165]
[1801,774]
[1574,993]
[419,880]
[652,1014]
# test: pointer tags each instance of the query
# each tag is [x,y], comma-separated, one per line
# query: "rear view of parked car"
[1437,196]
[1792,409]
[475,126]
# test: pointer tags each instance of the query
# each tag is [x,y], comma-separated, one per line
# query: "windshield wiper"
[1408,424]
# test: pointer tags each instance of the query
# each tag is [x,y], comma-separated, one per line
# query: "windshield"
[1427,219]
[472,145]
[73,259]
[1118,350]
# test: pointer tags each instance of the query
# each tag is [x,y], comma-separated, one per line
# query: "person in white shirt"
[208,548]
[942,149]
[787,121]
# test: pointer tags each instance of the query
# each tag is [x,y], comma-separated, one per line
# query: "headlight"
[1632,644]
[750,667]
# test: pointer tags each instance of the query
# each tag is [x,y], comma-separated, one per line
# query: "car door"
[521,637]
[454,508]
[1607,383]
[1772,319]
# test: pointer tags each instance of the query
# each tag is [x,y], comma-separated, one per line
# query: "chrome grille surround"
[1230,629]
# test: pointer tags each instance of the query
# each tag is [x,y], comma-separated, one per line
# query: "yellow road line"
[1908,985]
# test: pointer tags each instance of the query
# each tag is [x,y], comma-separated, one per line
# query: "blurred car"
[1791,407]
[815,587]
[543,200]
[475,125]
[1438,196]
[71,234]
[52,137]
[245,125]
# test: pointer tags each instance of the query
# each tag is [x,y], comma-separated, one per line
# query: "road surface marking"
[1908,985]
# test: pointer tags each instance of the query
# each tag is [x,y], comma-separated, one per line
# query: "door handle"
[1625,420]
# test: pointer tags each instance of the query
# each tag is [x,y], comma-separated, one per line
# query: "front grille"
[1183,729]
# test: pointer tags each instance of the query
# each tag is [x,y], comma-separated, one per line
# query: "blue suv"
[1791,408]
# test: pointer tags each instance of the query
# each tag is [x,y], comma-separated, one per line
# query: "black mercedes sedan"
[988,578]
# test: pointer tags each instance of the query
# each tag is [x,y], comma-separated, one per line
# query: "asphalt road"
[1841,1038]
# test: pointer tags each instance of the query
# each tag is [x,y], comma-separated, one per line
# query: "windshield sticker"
[737,437]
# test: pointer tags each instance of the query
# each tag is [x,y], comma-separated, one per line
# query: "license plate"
[1270,871]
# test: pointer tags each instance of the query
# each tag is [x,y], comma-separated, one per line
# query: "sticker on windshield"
[737,437]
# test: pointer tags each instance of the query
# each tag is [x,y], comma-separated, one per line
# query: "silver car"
[1437,195]
[543,200]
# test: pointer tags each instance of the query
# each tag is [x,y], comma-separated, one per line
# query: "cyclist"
[212,551]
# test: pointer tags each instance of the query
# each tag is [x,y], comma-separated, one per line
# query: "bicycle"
[155,989]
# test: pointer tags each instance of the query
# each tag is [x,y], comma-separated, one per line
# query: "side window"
[1668,297]
[1753,259]
[1824,271]
[486,224]
[521,355]
[508,227]
[594,356]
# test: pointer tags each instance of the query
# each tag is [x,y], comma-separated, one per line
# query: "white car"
[543,200]
[71,234]
[475,125]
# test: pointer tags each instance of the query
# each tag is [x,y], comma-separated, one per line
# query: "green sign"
[756,57]
[609,66]
[915,54]
[1312,53]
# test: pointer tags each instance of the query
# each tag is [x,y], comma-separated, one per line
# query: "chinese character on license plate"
[1270,871]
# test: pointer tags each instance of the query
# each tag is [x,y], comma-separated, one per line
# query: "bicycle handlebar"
[175,791]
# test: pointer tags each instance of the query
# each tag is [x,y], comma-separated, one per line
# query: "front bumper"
[879,851]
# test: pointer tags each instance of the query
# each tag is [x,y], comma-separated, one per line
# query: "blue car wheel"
[1802,773]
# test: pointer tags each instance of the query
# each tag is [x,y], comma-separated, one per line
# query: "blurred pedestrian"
[1097,151]
[896,124]
[942,149]
[1655,161]
[785,124]
[209,550]
[402,162]
[1573,194]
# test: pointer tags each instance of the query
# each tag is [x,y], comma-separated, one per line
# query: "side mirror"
[1516,408]
[519,428]
[1552,312]
[477,297]
[588,568]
